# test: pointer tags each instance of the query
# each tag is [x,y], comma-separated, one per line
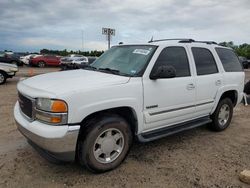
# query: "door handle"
[218,82]
[190,86]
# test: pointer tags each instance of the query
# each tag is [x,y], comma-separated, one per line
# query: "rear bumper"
[57,141]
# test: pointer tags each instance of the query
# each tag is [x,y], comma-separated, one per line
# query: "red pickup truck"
[45,60]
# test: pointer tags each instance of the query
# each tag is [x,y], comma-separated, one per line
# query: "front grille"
[26,105]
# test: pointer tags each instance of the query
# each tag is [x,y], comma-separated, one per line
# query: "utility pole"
[109,33]
[82,42]
[109,37]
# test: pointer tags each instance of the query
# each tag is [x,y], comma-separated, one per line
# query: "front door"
[170,101]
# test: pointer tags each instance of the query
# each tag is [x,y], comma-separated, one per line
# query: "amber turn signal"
[59,106]
[55,119]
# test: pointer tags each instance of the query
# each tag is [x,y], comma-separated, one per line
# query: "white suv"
[140,91]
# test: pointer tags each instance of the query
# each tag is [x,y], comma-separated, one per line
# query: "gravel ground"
[195,158]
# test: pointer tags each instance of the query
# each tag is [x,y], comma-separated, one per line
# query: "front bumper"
[11,74]
[58,141]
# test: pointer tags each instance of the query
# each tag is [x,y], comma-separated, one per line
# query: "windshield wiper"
[88,67]
[113,71]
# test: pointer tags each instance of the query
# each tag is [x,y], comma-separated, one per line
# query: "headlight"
[51,111]
[51,105]
[13,69]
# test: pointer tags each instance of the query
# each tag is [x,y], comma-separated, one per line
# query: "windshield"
[130,60]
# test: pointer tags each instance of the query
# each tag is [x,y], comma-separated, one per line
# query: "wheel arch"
[3,71]
[231,94]
[128,113]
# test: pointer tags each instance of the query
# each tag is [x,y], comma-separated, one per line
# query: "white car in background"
[81,60]
[73,62]
[7,71]
[26,59]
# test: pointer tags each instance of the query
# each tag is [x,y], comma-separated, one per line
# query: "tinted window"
[204,61]
[176,57]
[229,60]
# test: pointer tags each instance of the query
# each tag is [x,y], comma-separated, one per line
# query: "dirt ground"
[195,158]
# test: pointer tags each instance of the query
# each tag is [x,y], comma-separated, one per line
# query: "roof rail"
[183,40]
[207,42]
[180,39]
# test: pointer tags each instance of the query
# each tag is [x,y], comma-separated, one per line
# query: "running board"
[166,131]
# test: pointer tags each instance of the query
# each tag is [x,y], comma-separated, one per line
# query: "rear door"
[208,79]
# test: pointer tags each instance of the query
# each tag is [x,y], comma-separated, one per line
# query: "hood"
[68,81]
[8,65]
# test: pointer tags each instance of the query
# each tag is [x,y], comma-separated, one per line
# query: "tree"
[241,50]
[65,52]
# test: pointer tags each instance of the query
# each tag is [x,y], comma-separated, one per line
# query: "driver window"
[176,57]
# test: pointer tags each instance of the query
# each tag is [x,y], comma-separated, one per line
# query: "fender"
[221,91]
[89,109]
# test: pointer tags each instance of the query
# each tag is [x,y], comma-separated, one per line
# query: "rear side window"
[229,60]
[204,61]
[176,57]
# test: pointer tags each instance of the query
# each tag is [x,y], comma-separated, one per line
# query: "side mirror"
[163,71]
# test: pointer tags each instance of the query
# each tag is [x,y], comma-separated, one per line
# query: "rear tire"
[41,64]
[3,77]
[223,115]
[105,143]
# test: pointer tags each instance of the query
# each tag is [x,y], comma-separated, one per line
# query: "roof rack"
[207,42]
[180,39]
[183,40]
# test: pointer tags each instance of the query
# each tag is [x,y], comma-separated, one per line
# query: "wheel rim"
[224,114]
[1,78]
[108,145]
[41,64]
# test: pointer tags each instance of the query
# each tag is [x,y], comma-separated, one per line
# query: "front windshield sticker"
[141,51]
[133,71]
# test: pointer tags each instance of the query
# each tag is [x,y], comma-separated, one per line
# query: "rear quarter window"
[229,60]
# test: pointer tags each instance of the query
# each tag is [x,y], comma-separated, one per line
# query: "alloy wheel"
[108,145]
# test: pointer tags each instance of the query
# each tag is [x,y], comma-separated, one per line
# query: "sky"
[31,25]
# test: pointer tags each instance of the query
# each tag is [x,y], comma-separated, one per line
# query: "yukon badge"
[152,106]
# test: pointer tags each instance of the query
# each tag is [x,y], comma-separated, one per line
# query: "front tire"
[223,115]
[3,77]
[41,64]
[105,143]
